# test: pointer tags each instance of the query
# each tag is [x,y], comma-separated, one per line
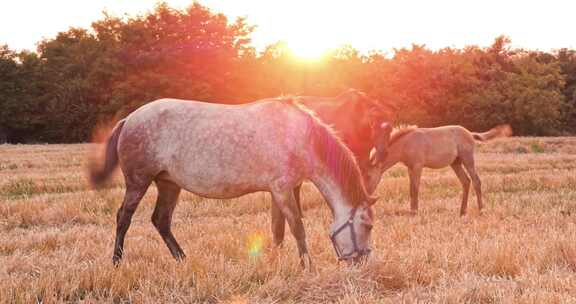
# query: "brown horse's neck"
[331,111]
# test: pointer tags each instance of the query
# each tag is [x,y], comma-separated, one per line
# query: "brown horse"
[225,151]
[434,148]
[356,118]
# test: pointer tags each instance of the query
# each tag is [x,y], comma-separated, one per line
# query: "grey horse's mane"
[339,160]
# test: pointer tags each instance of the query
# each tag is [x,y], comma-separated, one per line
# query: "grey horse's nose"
[360,258]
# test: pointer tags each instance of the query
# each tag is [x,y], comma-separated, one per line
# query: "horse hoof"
[306,262]
[180,257]
[116,260]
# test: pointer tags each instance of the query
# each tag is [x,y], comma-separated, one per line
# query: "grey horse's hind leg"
[279,221]
[133,196]
[465,181]
[286,202]
[168,193]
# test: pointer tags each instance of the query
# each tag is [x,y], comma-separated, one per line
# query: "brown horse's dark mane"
[399,133]
[337,157]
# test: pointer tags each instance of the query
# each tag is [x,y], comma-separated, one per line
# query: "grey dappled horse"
[225,151]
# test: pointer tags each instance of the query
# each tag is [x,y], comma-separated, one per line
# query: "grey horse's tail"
[498,131]
[99,173]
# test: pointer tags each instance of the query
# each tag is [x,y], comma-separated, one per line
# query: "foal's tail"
[99,173]
[498,131]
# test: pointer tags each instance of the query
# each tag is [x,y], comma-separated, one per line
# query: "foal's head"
[381,142]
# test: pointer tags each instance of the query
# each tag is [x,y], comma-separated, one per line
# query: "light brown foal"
[435,148]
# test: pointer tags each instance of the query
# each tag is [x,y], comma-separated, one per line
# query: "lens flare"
[255,244]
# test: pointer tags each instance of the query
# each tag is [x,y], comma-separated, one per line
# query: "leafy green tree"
[530,99]
[474,87]
[21,112]
[567,60]
[191,54]
[9,91]
[83,77]
[73,94]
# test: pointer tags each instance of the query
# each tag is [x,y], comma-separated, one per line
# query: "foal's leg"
[133,196]
[286,202]
[415,173]
[278,219]
[168,193]
[465,181]
[471,169]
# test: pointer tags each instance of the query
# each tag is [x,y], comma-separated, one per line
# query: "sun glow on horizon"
[308,31]
[308,49]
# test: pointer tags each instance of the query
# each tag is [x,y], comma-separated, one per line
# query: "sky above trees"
[310,27]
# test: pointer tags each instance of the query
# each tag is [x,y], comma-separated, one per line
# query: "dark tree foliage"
[21,112]
[474,87]
[567,61]
[86,77]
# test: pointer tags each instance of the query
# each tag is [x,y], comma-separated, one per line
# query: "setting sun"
[308,49]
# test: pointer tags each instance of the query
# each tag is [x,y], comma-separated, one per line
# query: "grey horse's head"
[351,236]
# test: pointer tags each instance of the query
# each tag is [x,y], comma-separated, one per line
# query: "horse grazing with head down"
[356,118]
[434,148]
[225,151]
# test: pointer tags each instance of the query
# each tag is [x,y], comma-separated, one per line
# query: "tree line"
[83,78]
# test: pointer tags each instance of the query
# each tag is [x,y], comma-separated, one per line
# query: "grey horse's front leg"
[286,203]
[279,221]
[278,225]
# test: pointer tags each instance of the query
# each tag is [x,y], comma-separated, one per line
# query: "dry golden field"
[56,238]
